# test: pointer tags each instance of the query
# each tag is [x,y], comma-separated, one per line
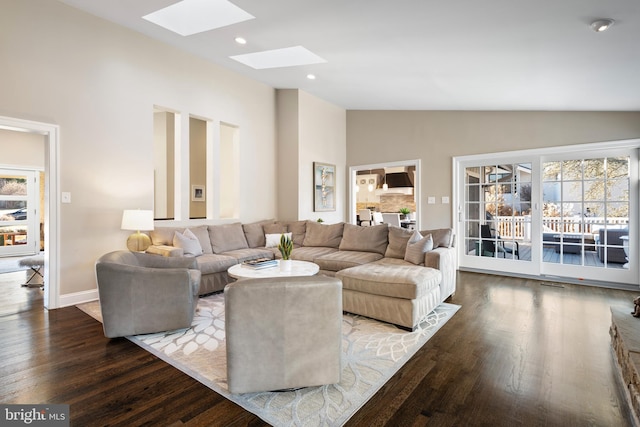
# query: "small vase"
[285,265]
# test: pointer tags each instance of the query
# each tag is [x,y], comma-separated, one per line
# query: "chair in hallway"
[364,217]
[391,219]
[494,244]
[377,218]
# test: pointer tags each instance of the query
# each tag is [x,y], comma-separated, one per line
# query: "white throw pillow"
[417,246]
[273,240]
[188,242]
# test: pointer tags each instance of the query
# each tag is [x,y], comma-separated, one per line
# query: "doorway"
[386,188]
[51,224]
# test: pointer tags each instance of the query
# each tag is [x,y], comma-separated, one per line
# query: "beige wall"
[197,164]
[21,149]
[99,82]
[436,137]
[309,130]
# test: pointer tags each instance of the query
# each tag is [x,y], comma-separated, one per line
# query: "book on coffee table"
[260,263]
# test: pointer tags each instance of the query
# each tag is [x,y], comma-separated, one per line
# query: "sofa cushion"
[442,237]
[227,237]
[326,235]
[164,235]
[297,229]
[398,238]
[188,242]
[397,281]
[417,246]
[275,228]
[340,260]
[214,263]
[247,254]
[254,233]
[365,239]
[165,250]
[202,233]
[310,253]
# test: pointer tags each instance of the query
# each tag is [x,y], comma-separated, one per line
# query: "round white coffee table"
[298,268]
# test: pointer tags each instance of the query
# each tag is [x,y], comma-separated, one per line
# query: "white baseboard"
[67,300]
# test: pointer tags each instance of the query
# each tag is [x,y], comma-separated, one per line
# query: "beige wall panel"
[437,136]
[21,149]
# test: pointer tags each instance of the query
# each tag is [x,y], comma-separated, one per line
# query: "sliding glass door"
[568,214]
[498,216]
[588,203]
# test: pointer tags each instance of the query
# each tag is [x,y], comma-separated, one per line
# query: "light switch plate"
[66,197]
[431,200]
[445,200]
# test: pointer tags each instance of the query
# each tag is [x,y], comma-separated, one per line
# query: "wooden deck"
[591,258]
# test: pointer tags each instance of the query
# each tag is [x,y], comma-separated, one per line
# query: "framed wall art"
[324,187]
[197,193]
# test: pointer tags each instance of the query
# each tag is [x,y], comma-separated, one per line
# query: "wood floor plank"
[516,354]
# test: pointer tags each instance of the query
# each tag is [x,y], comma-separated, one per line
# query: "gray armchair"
[142,293]
[283,332]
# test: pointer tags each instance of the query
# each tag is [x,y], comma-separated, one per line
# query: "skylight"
[189,17]
[276,58]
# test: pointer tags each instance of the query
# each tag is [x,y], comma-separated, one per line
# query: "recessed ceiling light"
[276,58]
[311,76]
[189,17]
[601,25]
[241,40]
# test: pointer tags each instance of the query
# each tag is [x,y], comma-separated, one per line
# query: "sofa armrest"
[165,250]
[153,261]
[444,259]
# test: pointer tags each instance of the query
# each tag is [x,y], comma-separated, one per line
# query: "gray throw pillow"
[188,242]
[202,233]
[325,235]
[365,239]
[417,246]
[398,238]
[442,237]
[228,237]
[254,233]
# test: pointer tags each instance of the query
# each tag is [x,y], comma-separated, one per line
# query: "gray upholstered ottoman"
[402,293]
[283,333]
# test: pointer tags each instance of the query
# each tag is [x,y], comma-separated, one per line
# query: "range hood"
[398,183]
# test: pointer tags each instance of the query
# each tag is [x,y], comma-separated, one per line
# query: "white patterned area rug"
[372,352]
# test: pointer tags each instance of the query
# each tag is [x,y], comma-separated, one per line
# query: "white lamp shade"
[138,220]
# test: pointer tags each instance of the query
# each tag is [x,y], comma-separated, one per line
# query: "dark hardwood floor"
[517,353]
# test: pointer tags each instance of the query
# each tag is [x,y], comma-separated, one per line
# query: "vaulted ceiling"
[427,54]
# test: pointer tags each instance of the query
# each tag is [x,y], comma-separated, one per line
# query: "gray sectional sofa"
[388,273]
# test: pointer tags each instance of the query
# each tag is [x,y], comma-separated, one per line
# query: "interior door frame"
[537,154]
[51,135]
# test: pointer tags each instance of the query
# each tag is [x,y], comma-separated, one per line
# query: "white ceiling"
[427,54]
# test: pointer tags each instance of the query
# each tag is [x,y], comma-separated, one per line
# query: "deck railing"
[520,226]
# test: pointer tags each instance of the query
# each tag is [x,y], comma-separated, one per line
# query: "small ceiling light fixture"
[311,76]
[241,40]
[600,25]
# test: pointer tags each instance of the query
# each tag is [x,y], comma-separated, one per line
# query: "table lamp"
[137,220]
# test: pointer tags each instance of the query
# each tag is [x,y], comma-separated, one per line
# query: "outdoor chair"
[494,244]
